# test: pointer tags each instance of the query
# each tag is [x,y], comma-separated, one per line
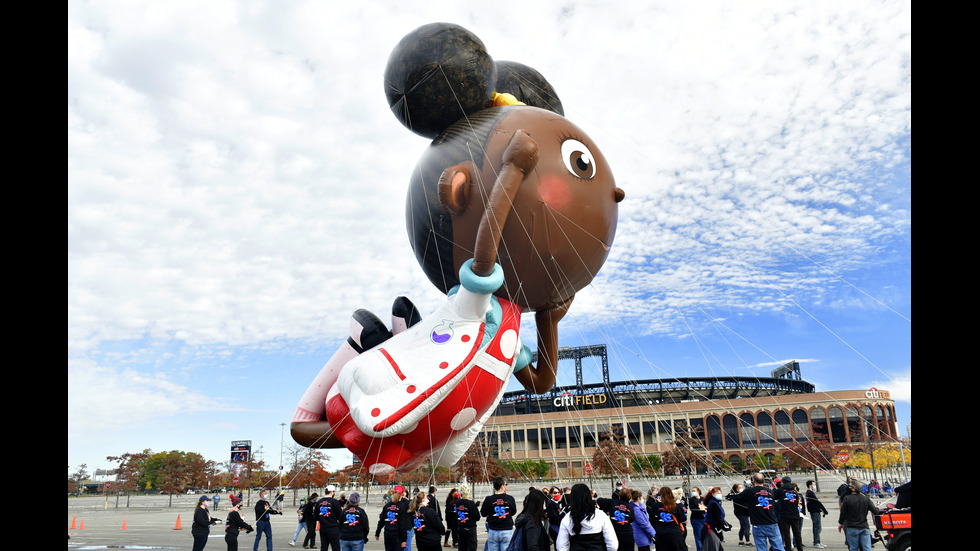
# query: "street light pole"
[282,432]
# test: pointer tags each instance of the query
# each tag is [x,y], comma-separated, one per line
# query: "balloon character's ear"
[454,186]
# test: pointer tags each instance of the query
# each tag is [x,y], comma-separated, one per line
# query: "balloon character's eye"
[578,159]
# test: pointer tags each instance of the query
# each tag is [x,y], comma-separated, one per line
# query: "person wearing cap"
[201,526]
[235,523]
[300,520]
[263,525]
[467,516]
[354,528]
[853,519]
[393,520]
[328,515]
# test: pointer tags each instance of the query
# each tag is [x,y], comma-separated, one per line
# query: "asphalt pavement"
[159,522]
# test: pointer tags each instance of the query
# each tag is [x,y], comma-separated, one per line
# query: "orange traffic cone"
[124,524]
[73,522]
[81,525]
[178,523]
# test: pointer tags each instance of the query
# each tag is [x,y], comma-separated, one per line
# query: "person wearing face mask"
[643,533]
[620,511]
[235,523]
[816,509]
[715,526]
[263,525]
[653,496]
[697,510]
[555,510]
[202,523]
[742,514]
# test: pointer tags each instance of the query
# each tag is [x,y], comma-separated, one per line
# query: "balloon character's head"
[441,83]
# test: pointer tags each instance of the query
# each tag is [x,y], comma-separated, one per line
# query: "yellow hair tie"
[505,99]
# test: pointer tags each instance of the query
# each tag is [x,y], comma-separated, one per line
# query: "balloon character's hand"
[522,152]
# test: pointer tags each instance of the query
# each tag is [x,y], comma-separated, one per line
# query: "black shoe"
[404,314]
[366,331]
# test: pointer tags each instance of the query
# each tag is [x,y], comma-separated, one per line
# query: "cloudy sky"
[236,188]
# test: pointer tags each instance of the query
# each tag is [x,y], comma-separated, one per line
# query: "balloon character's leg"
[309,426]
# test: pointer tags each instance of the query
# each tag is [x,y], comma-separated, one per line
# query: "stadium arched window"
[801,426]
[818,425]
[765,428]
[784,433]
[835,418]
[750,434]
[713,429]
[730,427]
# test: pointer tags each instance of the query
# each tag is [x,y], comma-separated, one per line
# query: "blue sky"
[236,189]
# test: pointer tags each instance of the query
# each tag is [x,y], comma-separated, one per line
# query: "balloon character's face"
[562,221]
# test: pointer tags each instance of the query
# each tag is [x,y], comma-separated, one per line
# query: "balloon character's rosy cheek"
[553,190]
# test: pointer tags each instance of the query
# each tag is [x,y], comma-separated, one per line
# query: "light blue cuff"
[523,358]
[481,285]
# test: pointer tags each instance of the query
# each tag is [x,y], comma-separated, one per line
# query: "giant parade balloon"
[511,209]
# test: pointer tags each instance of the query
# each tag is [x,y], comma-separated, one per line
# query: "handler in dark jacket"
[201,526]
[853,518]
[235,523]
[817,511]
[620,511]
[760,502]
[262,523]
[426,524]
[328,515]
[789,503]
[467,518]
[532,520]
[309,517]
[354,527]
[394,521]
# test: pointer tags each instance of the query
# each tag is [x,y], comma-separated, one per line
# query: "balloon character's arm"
[520,158]
[539,379]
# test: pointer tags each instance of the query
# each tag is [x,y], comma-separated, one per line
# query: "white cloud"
[235,176]
[103,399]
[899,385]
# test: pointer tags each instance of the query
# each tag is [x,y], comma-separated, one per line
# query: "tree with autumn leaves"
[612,456]
[175,472]
[686,454]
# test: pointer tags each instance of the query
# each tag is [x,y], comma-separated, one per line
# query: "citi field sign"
[569,399]
[875,393]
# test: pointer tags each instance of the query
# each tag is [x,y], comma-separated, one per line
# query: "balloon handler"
[511,209]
